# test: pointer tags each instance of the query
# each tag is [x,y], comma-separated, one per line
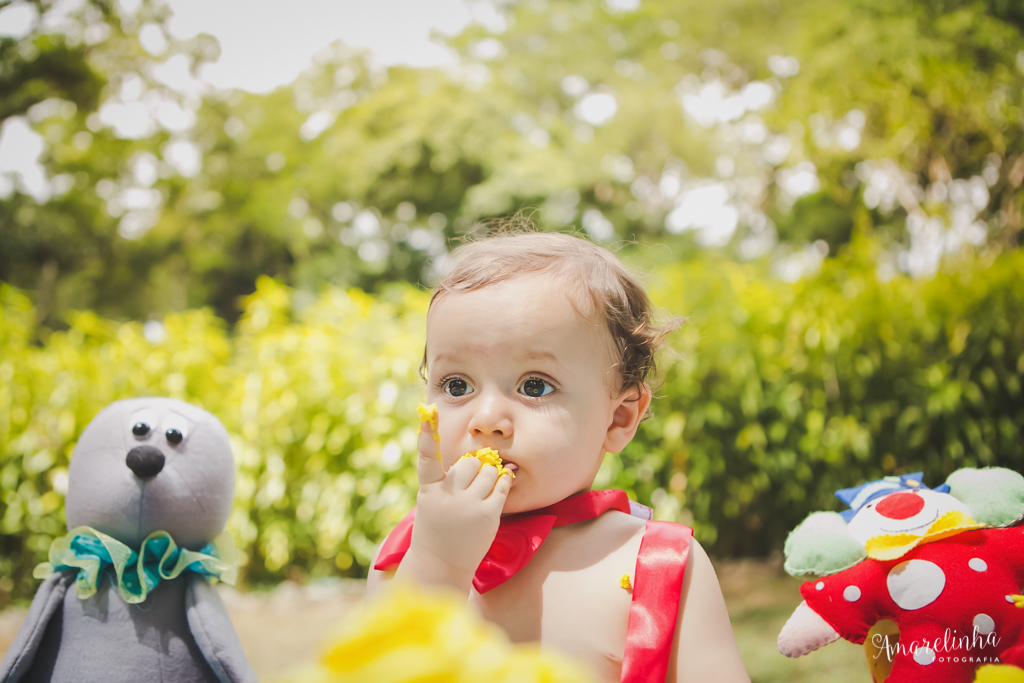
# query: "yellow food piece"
[428,414]
[625,582]
[489,456]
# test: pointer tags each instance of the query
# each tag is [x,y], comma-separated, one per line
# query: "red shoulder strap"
[657,587]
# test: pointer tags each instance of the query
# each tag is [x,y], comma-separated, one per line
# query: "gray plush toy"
[150,488]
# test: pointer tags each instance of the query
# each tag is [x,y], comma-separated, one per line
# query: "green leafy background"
[780,394]
[271,259]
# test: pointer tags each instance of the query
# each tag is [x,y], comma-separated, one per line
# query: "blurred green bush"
[780,393]
[786,392]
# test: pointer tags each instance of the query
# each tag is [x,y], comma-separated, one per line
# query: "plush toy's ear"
[994,495]
[822,544]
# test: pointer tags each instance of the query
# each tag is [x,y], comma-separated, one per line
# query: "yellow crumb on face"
[625,582]
[489,456]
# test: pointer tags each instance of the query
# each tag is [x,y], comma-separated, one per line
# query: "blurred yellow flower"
[413,635]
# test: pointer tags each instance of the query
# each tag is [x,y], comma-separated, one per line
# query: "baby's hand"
[457,516]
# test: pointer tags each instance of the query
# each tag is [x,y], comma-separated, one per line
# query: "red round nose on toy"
[900,505]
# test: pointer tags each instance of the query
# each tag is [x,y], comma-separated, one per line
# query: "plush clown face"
[902,512]
[890,516]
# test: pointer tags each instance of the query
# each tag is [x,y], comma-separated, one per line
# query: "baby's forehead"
[537,305]
[516,319]
[538,290]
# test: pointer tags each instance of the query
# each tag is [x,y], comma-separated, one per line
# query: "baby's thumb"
[428,463]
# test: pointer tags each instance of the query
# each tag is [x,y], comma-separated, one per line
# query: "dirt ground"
[285,628]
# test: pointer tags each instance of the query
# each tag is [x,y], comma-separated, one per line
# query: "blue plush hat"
[859,496]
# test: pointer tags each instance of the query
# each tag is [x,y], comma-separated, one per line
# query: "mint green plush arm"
[994,495]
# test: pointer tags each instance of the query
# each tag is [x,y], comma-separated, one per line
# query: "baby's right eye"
[457,387]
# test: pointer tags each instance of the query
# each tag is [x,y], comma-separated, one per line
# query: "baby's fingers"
[428,465]
[500,491]
[483,483]
[463,473]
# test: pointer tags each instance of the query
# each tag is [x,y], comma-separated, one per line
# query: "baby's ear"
[994,495]
[822,544]
[630,409]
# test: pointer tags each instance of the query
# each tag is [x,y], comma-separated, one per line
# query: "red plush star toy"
[929,580]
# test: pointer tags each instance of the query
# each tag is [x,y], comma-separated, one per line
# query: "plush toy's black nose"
[145,461]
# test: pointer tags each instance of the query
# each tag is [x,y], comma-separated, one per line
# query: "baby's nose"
[491,418]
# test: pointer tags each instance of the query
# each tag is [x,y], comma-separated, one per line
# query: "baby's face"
[513,366]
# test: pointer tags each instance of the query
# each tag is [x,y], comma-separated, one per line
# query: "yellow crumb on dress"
[428,414]
[625,582]
[489,456]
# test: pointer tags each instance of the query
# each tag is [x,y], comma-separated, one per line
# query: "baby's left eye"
[535,388]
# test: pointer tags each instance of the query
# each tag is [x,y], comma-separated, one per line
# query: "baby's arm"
[457,516]
[704,648]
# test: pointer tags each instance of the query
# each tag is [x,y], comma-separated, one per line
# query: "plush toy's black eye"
[173,436]
[140,429]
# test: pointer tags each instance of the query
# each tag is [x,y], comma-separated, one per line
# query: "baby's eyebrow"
[537,355]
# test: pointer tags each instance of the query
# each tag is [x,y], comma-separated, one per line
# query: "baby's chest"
[570,602]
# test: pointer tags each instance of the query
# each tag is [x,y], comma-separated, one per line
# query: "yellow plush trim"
[625,582]
[999,673]
[428,414]
[894,546]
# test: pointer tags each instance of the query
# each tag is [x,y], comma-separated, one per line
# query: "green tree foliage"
[64,246]
[781,393]
[799,121]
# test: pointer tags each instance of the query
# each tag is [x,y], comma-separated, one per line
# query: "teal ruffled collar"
[159,558]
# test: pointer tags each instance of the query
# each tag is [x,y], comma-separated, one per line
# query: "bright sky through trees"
[394,31]
[194,146]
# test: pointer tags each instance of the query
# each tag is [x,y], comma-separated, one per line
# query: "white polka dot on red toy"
[819,586]
[924,656]
[915,584]
[984,624]
[977,564]
[851,594]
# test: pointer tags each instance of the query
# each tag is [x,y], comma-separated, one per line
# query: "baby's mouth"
[511,465]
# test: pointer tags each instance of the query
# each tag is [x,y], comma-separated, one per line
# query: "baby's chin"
[522,500]
[519,502]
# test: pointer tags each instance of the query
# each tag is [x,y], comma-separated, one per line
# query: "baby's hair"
[596,282]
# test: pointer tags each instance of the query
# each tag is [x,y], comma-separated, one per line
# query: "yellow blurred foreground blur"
[411,635]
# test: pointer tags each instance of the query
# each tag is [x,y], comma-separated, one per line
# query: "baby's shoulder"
[613,534]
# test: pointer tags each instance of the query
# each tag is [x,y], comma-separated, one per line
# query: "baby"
[539,346]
